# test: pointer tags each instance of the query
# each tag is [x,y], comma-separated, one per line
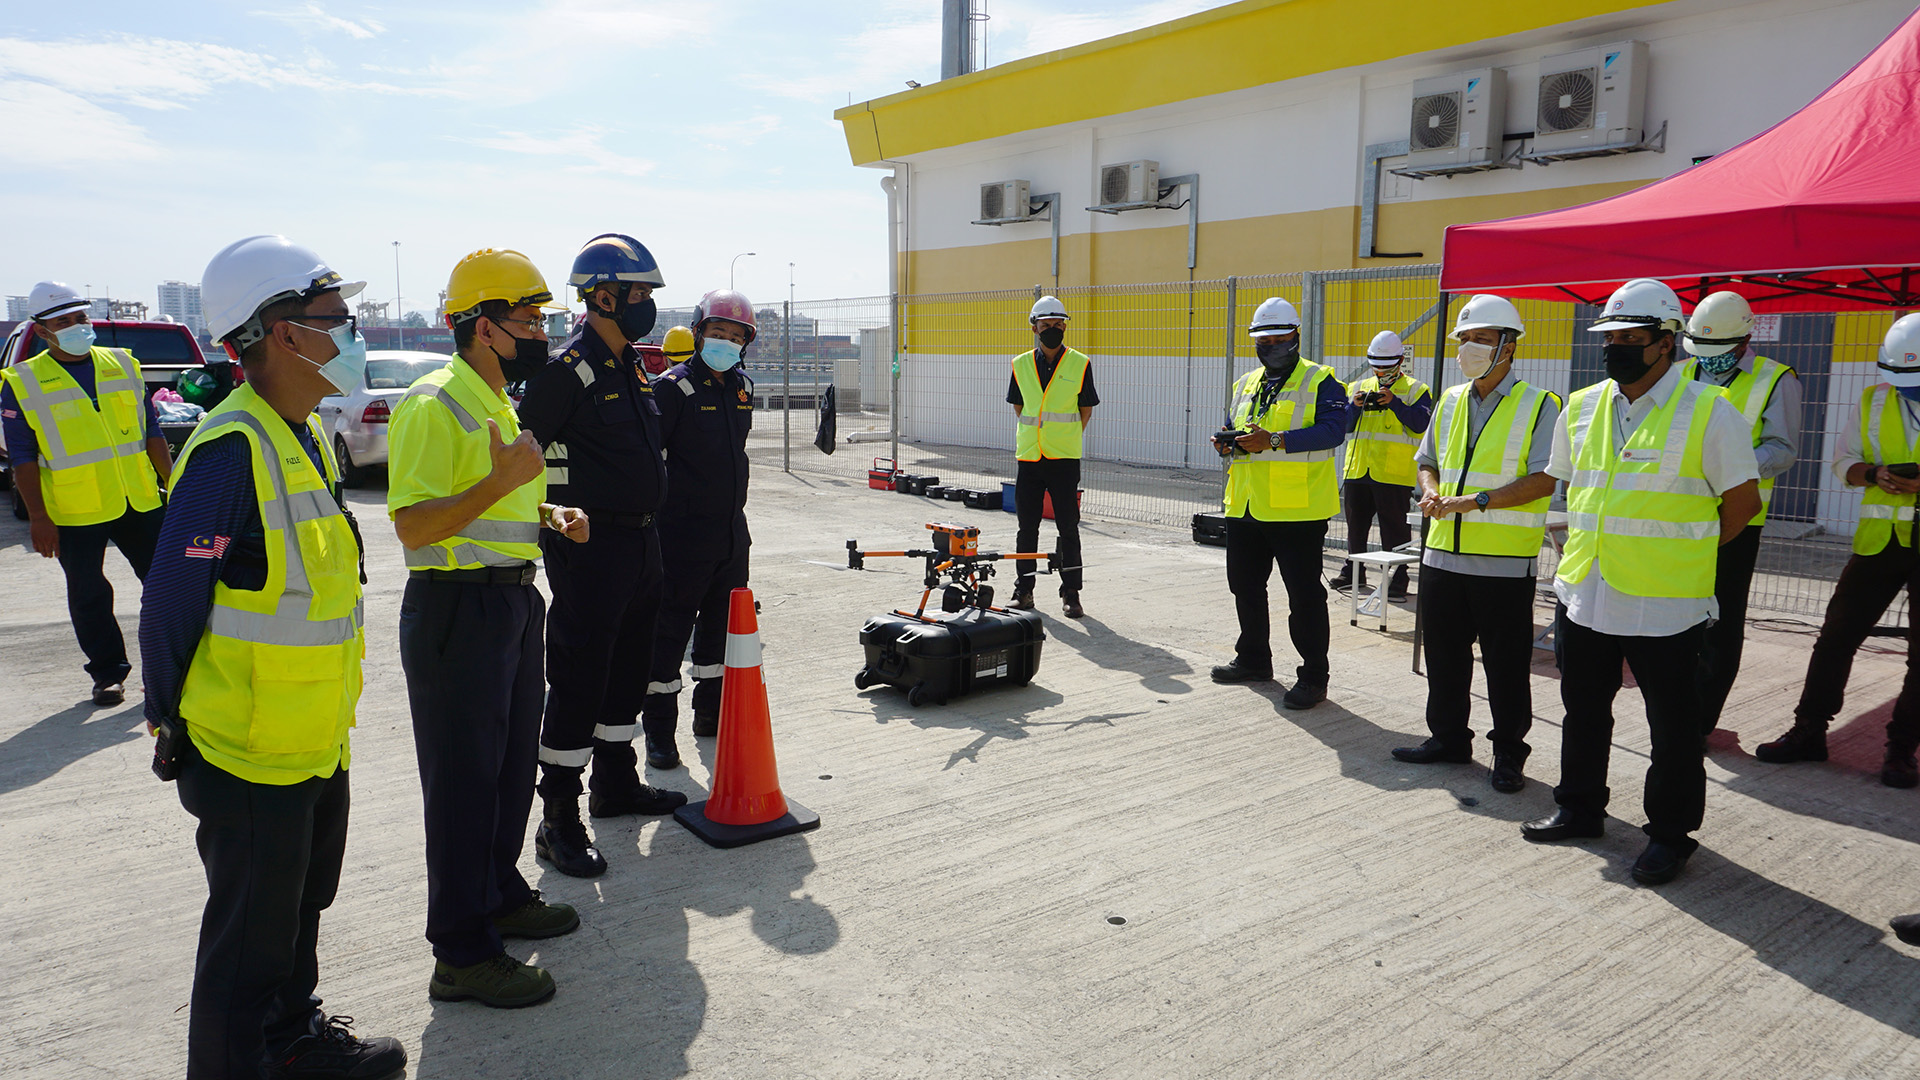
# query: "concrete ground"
[1121,870]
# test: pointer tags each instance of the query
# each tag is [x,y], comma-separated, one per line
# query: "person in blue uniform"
[594,414]
[706,410]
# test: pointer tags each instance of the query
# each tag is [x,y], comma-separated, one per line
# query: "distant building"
[100,307]
[16,309]
[182,301]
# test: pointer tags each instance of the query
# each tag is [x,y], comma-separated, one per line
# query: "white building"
[182,301]
[16,309]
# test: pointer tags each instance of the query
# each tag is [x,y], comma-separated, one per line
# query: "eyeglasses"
[534,326]
[352,321]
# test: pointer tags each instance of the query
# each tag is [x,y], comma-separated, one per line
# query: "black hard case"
[953,655]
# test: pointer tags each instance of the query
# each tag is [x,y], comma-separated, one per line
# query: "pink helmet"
[725,304]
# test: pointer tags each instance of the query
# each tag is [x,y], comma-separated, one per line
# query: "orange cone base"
[797,819]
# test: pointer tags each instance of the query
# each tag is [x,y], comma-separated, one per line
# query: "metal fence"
[1164,358]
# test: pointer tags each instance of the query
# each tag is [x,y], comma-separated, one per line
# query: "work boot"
[329,1050]
[1343,580]
[662,752]
[1907,928]
[1305,694]
[1070,603]
[1804,741]
[630,796]
[705,724]
[1022,595]
[1900,770]
[502,982]
[565,844]
[537,919]
[1397,585]
[1239,672]
[112,693]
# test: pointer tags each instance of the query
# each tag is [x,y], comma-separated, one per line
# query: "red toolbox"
[1046,502]
[881,478]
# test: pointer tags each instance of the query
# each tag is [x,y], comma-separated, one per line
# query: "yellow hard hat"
[497,275]
[678,344]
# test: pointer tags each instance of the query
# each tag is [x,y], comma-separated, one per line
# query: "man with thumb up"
[467,492]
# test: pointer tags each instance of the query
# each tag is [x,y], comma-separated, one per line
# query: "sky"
[144,137]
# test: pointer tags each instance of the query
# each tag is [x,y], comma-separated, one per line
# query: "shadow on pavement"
[1844,789]
[1158,669]
[37,752]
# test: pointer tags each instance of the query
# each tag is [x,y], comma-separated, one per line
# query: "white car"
[357,422]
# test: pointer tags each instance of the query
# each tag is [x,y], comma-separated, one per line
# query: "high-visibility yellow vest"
[1750,391]
[1050,415]
[1276,485]
[1646,512]
[506,533]
[1885,439]
[1382,447]
[93,460]
[1494,460]
[271,690]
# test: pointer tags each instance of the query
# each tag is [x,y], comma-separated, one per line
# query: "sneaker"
[705,724]
[333,1052]
[1238,672]
[538,919]
[112,693]
[1900,770]
[1304,695]
[639,798]
[1070,605]
[502,982]
[1022,598]
[1802,742]
[566,845]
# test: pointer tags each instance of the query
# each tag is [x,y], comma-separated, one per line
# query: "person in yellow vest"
[1052,395]
[1386,415]
[1879,452]
[251,646]
[1287,417]
[89,462]
[1484,484]
[1660,472]
[1719,337]
[467,492]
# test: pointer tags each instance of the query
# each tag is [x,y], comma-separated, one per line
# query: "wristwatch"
[1482,499]
[1873,476]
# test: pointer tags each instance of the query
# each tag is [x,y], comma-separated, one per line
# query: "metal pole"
[786,390]
[893,404]
[397,320]
[1226,395]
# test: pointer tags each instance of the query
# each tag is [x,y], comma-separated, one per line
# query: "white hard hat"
[1275,317]
[249,274]
[1385,350]
[1722,321]
[51,298]
[1488,312]
[1900,352]
[1047,307]
[1642,303]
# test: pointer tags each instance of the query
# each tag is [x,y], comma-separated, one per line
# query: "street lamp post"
[730,266]
[397,320]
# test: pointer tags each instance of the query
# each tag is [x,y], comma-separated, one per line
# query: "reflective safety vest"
[1885,439]
[1495,459]
[1646,513]
[1277,486]
[93,459]
[506,533]
[1750,391]
[1382,447]
[271,689]
[1049,416]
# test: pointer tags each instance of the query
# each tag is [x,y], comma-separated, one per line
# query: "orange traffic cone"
[745,804]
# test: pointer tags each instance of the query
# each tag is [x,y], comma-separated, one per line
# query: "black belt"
[519,574]
[617,520]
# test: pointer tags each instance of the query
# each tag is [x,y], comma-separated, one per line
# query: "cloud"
[69,131]
[313,16]
[584,148]
[161,73]
[899,42]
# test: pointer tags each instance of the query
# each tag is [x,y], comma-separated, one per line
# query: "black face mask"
[1051,337]
[529,356]
[1277,356]
[633,317]
[1627,363]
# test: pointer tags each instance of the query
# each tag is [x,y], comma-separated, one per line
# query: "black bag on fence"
[828,430]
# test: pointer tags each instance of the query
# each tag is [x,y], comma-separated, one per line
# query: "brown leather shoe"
[1070,605]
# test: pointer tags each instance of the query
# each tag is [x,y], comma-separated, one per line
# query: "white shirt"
[1849,451]
[1727,460]
[1779,421]
[1479,410]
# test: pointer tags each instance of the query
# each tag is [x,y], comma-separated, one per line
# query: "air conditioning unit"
[1458,119]
[1594,97]
[1005,200]
[1129,182]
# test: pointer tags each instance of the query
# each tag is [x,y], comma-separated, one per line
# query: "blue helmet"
[613,257]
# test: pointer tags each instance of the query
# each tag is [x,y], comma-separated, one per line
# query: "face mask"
[1474,358]
[1626,363]
[636,319]
[1276,355]
[1386,376]
[1911,393]
[529,356]
[1717,366]
[75,340]
[1051,337]
[349,362]
[719,353]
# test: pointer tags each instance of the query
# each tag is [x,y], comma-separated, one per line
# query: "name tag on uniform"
[615,396]
[709,408]
[1641,455]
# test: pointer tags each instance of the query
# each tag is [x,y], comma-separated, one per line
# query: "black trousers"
[1498,613]
[471,653]
[606,597]
[1033,481]
[1676,786]
[1720,648]
[696,602]
[83,559]
[272,855]
[1253,547]
[1868,584]
[1366,499]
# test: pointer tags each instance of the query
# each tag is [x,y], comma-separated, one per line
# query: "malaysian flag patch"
[207,547]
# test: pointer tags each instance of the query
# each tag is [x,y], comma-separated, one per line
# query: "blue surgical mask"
[719,353]
[75,340]
[349,363]
[1911,393]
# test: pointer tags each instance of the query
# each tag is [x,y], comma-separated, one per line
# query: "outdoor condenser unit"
[1005,200]
[1594,97]
[1458,119]
[1129,182]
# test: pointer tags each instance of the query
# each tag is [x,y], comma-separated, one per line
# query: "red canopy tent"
[1821,212]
